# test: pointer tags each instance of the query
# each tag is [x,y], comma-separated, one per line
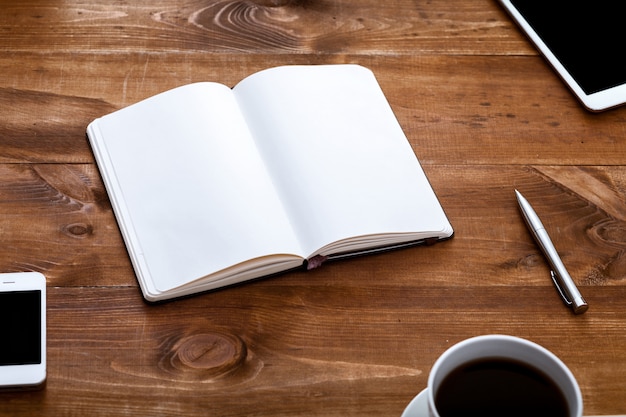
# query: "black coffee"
[499,387]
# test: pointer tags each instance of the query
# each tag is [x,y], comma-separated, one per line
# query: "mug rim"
[573,394]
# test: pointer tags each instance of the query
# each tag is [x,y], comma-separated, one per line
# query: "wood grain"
[262,26]
[484,114]
[457,119]
[234,358]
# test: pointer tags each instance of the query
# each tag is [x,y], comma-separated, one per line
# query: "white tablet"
[583,41]
[22,330]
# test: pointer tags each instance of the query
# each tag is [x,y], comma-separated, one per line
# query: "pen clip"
[556,284]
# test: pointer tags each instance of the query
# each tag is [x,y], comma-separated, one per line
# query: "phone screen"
[586,37]
[20,327]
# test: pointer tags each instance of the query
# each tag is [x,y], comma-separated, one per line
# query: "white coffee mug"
[496,347]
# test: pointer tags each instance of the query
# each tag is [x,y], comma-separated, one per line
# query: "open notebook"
[212,186]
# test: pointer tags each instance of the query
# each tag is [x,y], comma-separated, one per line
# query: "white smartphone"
[584,43]
[22,330]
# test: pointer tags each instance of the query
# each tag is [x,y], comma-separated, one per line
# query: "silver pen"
[561,278]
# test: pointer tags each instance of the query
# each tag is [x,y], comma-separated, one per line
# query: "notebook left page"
[190,191]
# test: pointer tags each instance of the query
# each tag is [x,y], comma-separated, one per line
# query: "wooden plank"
[286,27]
[449,112]
[59,221]
[236,353]
[37,126]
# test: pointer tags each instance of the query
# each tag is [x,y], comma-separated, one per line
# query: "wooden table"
[484,114]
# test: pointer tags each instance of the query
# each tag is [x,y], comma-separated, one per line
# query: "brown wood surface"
[484,114]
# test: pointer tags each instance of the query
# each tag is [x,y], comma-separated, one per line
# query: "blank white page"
[194,195]
[337,154]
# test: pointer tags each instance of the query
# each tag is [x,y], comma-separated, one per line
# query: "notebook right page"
[338,156]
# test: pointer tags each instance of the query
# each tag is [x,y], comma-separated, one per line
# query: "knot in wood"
[79,230]
[529,261]
[208,355]
[609,231]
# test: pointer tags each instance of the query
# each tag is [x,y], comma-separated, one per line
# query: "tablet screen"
[586,37]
